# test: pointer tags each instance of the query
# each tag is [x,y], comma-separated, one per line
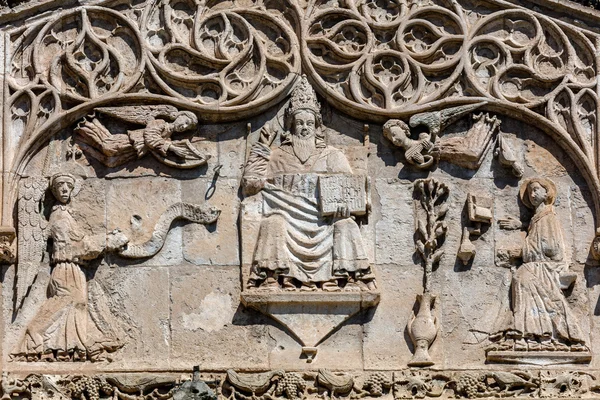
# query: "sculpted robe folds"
[65,324]
[540,307]
[294,239]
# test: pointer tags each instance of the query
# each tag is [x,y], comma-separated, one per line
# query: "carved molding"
[373,60]
[290,385]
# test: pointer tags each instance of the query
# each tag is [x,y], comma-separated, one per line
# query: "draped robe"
[540,308]
[294,240]
[65,323]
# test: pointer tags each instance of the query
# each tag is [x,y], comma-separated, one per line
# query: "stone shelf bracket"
[311,317]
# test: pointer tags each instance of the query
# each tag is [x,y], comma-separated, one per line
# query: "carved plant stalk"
[431,230]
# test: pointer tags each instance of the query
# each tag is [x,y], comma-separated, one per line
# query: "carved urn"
[423,331]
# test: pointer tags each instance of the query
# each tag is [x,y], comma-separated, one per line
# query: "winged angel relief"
[63,328]
[73,323]
[160,123]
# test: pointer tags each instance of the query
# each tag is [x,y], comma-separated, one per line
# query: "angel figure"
[399,134]
[65,328]
[423,151]
[160,123]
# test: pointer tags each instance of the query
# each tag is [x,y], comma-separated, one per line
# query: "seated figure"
[303,242]
[542,319]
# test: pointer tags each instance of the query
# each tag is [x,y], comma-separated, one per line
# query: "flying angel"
[419,151]
[159,123]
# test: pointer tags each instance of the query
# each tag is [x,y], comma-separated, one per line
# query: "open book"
[340,190]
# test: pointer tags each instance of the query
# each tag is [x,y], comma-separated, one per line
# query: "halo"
[546,184]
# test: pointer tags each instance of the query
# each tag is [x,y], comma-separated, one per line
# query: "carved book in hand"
[343,190]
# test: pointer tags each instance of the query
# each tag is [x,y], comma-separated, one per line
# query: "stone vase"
[423,331]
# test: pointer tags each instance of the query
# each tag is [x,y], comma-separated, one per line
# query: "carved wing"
[436,121]
[140,114]
[31,235]
[187,156]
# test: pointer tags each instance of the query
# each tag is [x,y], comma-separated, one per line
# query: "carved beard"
[304,147]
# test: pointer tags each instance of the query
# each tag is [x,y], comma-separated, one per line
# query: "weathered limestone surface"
[285,200]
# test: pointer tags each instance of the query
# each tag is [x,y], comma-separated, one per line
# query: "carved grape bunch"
[291,385]
[376,383]
[471,385]
[87,387]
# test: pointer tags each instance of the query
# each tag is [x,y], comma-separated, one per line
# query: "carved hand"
[116,241]
[427,144]
[342,212]
[505,256]
[510,223]
[180,151]
[253,185]
[266,135]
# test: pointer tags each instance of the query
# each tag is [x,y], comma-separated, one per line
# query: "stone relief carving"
[308,239]
[378,60]
[322,383]
[395,55]
[236,58]
[240,56]
[466,150]
[542,325]
[82,387]
[430,211]
[63,329]
[12,386]
[403,384]
[479,213]
[469,150]
[196,389]
[382,60]
[200,214]
[7,239]
[160,123]
[507,156]
[252,385]
[309,251]
[67,327]
[419,152]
